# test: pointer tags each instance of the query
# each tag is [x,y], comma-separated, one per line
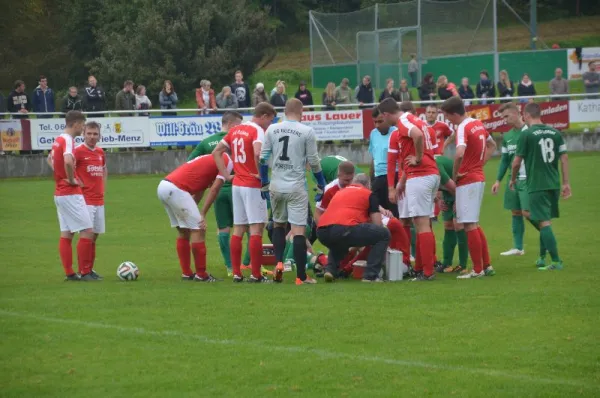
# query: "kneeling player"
[179,193]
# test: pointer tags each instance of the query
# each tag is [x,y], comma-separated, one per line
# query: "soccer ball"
[128,271]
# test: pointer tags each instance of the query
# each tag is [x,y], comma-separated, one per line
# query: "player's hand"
[443,206]
[229,178]
[385,212]
[511,185]
[392,197]
[459,176]
[566,191]
[495,187]
[411,160]
[319,196]
[202,224]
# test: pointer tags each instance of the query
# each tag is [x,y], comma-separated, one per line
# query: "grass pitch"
[520,333]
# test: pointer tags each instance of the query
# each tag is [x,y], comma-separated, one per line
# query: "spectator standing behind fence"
[465,91]
[389,91]
[329,97]
[304,95]
[558,85]
[446,89]
[125,99]
[142,101]
[226,99]
[591,80]
[485,88]
[72,101]
[427,88]
[526,89]
[413,70]
[343,93]
[94,99]
[168,98]
[364,93]
[279,98]
[259,95]
[241,91]
[18,101]
[274,89]
[404,92]
[43,99]
[506,88]
[205,98]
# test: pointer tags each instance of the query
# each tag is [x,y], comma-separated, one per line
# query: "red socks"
[235,250]
[84,255]
[399,239]
[199,252]
[418,259]
[475,249]
[256,253]
[484,249]
[93,253]
[66,255]
[426,249]
[183,252]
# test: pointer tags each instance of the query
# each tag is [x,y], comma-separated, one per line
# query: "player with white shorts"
[292,145]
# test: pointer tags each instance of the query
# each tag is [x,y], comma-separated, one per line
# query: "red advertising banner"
[554,114]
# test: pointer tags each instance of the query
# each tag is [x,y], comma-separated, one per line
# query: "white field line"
[324,354]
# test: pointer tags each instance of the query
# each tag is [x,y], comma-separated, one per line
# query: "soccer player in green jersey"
[330,164]
[223,204]
[541,147]
[517,200]
[454,232]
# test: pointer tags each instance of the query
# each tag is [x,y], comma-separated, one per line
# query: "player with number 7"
[542,148]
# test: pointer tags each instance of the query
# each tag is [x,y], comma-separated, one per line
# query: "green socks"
[463,248]
[288,253]
[449,244]
[518,230]
[549,241]
[543,250]
[224,246]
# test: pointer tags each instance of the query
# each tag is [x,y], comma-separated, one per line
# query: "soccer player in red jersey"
[179,193]
[474,147]
[90,168]
[73,215]
[412,145]
[244,142]
[442,129]
[345,177]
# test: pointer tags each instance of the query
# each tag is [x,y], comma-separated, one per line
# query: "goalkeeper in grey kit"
[292,144]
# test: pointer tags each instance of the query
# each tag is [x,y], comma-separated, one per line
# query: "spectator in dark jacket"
[304,95]
[329,97]
[485,87]
[43,99]
[18,101]
[279,98]
[72,101]
[240,90]
[526,88]
[125,99]
[226,100]
[506,88]
[427,88]
[465,91]
[389,91]
[445,88]
[168,98]
[364,93]
[94,99]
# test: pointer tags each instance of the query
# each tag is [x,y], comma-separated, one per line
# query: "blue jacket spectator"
[485,87]
[168,97]
[94,99]
[43,98]
[465,91]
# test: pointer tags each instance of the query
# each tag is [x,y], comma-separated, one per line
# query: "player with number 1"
[244,142]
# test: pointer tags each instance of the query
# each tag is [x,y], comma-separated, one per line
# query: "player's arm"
[447,182]
[70,168]
[418,138]
[461,146]
[490,148]
[449,140]
[312,156]
[263,168]
[564,167]
[49,160]
[392,162]
[374,213]
[212,196]
[516,165]
[503,168]
[217,153]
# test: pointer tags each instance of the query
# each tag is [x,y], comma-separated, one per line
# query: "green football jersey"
[206,146]
[541,146]
[445,166]
[330,164]
[510,140]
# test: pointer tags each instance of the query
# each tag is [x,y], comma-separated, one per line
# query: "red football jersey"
[473,136]
[328,193]
[90,168]
[198,174]
[63,146]
[240,140]
[350,206]
[442,131]
[402,145]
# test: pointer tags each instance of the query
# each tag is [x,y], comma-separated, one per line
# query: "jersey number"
[239,153]
[284,155]
[428,144]
[482,138]
[547,147]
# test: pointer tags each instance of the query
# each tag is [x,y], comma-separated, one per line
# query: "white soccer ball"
[128,271]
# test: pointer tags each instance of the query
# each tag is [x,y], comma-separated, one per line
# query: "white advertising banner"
[584,113]
[578,61]
[116,132]
[335,125]
[182,130]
